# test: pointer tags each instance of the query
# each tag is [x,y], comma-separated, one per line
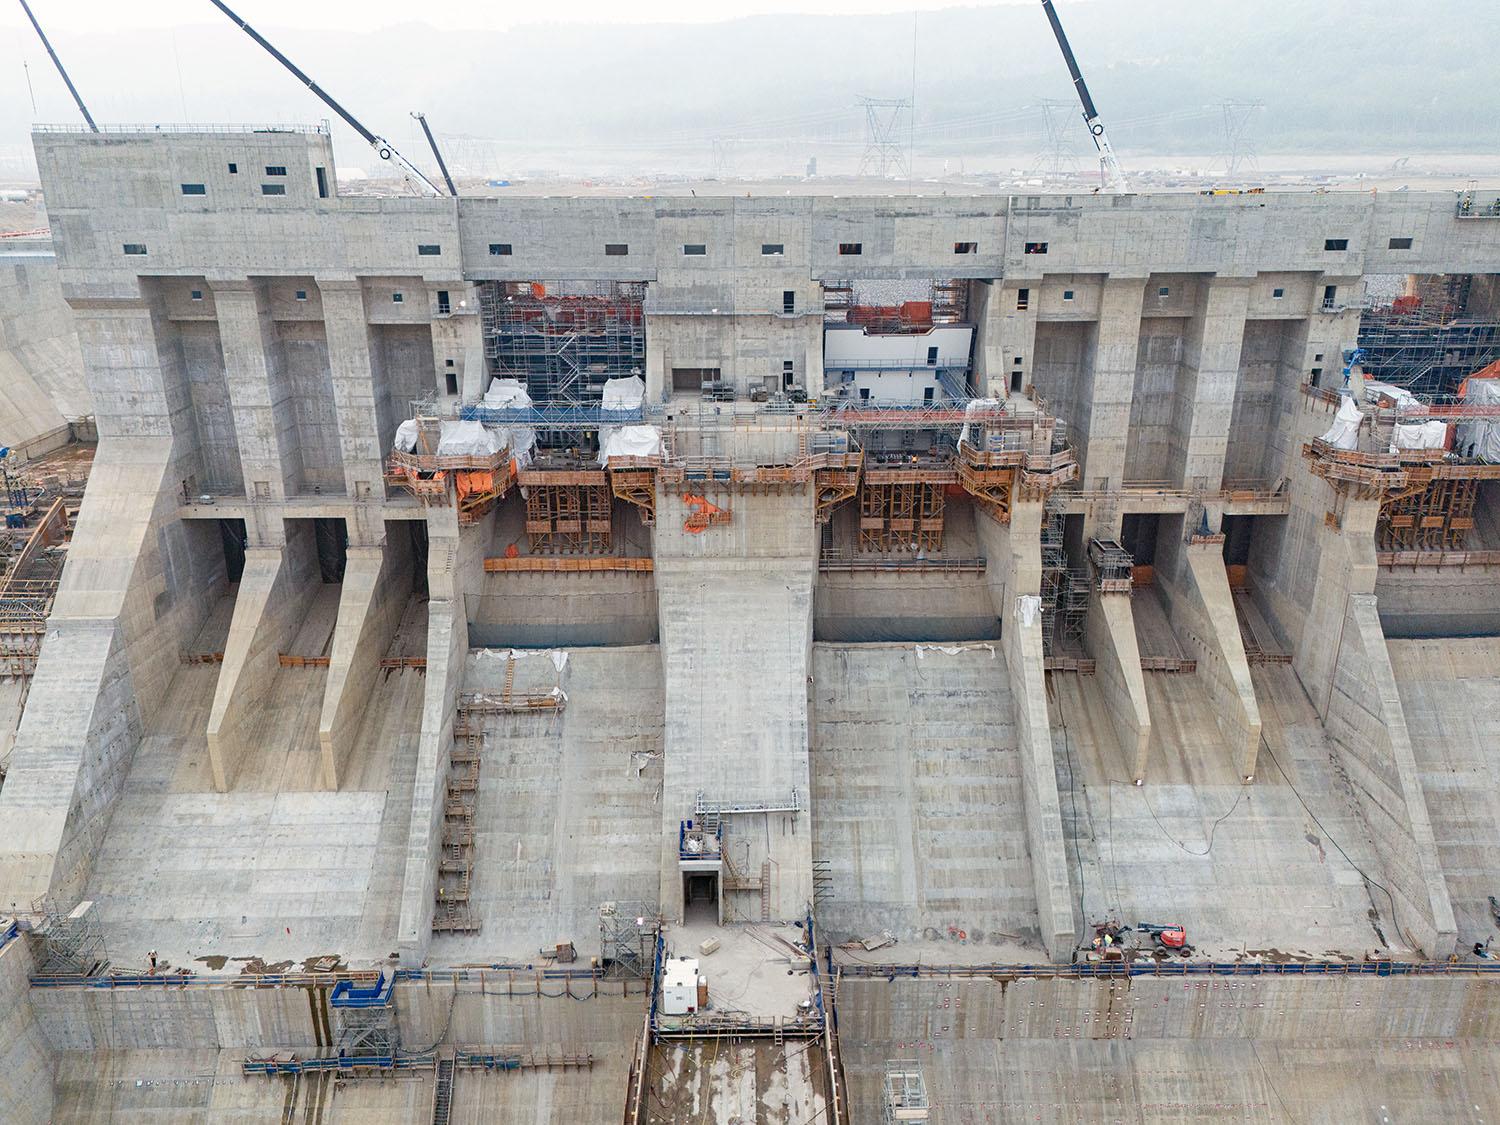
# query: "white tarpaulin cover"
[1344,433]
[406,436]
[1481,433]
[624,394]
[629,441]
[1419,435]
[468,439]
[507,394]
[976,406]
[1402,397]
[1028,608]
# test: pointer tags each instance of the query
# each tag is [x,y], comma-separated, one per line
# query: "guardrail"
[169,127]
[1150,967]
[551,416]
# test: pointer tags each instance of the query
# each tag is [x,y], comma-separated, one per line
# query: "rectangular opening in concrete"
[898,341]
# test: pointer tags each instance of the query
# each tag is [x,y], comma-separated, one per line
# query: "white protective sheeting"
[629,441]
[507,394]
[624,394]
[406,436]
[468,439]
[976,406]
[1419,435]
[1344,433]
[1483,434]
[1405,401]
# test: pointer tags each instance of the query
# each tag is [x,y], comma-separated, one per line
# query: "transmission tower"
[883,148]
[1058,159]
[723,159]
[1239,149]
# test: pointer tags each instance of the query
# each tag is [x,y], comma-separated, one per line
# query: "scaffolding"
[628,932]
[70,941]
[1112,565]
[901,504]
[1434,517]
[1064,591]
[568,511]
[896,307]
[563,341]
[366,1019]
[905,1092]
[453,913]
[1429,340]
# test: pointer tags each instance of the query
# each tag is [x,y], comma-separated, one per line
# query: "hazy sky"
[103,15]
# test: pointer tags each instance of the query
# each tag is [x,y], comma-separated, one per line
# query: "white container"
[679,987]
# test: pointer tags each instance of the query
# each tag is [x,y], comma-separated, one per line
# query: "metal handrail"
[321,129]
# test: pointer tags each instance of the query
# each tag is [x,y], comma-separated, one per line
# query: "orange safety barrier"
[474,482]
[702,515]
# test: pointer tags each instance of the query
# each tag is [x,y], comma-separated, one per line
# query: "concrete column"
[1015,573]
[1108,385]
[455,565]
[456,336]
[352,363]
[735,605]
[260,395]
[1004,334]
[1111,640]
[276,589]
[377,586]
[656,362]
[1204,398]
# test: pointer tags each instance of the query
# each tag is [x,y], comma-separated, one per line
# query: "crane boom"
[57,62]
[432,143]
[1109,166]
[383,148]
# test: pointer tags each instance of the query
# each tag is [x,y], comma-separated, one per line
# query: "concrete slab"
[1451,698]
[568,804]
[1246,869]
[916,789]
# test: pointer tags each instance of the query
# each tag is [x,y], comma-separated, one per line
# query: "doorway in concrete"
[701,901]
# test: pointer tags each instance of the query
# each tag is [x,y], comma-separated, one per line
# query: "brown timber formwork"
[902,509]
[633,480]
[568,512]
[1436,517]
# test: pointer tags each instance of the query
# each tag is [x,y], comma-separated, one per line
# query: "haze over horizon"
[666,91]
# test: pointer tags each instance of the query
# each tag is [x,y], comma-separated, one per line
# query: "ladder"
[442,1093]
[765,905]
[510,680]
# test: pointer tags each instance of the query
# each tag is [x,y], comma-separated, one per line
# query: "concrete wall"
[1015,568]
[1364,719]
[41,367]
[1111,640]
[377,586]
[27,1062]
[1195,592]
[455,560]
[137,586]
[278,584]
[736,637]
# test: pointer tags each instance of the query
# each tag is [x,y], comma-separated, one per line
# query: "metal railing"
[323,128]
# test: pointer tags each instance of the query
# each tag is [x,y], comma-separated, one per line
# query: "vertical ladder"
[510,680]
[442,1093]
[765,896]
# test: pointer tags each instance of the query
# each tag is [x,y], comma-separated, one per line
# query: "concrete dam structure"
[778,659]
